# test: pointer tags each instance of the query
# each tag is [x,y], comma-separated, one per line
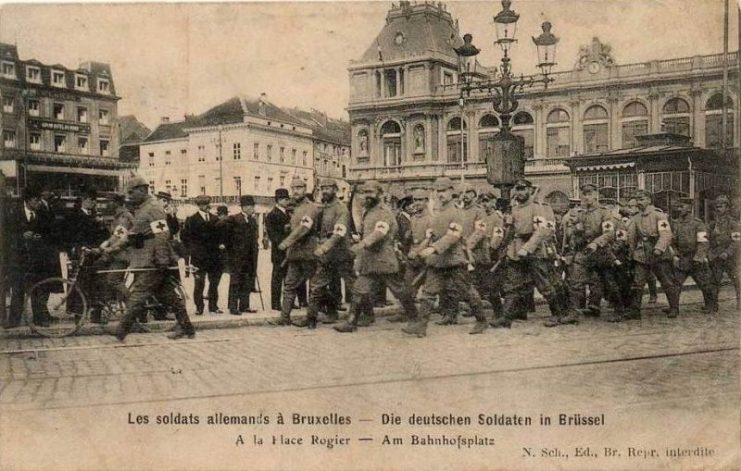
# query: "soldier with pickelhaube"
[528,230]
[724,238]
[650,238]
[690,243]
[447,263]
[589,230]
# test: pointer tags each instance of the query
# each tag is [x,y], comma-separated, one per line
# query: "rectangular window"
[558,140]
[282,154]
[33,74]
[528,135]
[202,184]
[168,157]
[151,159]
[60,143]
[82,115]
[8,69]
[257,184]
[58,111]
[168,185]
[596,138]
[8,104]
[57,78]
[293,156]
[201,153]
[103,86]
[34,108]
[269,155]
[237,151]
[304,158]
[238,185]
[81,82]
[9,139]
[82,145]
[104,148]
[34,141]
[184,188]
[151,186]
[183,153]
[270,183]
[631,129]
[282,180]
[103,117]
[256,151]
[677,125]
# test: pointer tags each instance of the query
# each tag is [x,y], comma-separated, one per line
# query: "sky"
[170,59]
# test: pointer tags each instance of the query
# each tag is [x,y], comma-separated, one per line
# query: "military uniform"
[530,228]
[150,248]
[690,244]
[300,245]
[650,232]
[376,260]
[589,233]
[724,238]
[483,244]
[335,259]
[120,228]
[447,266]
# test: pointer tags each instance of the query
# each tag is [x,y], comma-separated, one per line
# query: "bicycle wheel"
[55,307]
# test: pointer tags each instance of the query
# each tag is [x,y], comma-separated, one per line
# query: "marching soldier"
[446,264]
[650,238]
[299,246]
[528,227]
[150,249]
[724,240]
[589,230]
[484,243]
[333,254]
[690,243]
[375,258]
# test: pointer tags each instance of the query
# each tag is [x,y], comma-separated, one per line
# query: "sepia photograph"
[370,235]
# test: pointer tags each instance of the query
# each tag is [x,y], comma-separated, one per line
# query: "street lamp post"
[506,163]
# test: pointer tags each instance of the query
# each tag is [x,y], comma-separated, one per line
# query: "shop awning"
[614,166]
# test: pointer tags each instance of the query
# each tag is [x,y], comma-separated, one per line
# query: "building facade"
[406,118]
[59,125]
[239,147]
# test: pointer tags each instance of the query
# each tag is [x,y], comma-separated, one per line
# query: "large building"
[59,125]
[406,117]
[241,147]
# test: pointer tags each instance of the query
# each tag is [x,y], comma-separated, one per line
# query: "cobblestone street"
[646,368]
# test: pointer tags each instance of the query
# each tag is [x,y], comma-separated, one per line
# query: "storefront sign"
[44,124]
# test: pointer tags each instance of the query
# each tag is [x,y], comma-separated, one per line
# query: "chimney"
[261,105]
[165,120]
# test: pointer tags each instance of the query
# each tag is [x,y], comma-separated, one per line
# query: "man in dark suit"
[277,225]
[31,256]
[240,240]
[203,243]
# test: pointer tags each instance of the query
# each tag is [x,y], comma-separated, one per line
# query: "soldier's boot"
[589,311]
[465,310]
[448,319]
[501,322]
[309,322]
[633,309]
[672,295]
[417,325]
[617,314]
[351,325]
[396,318]
[366,318]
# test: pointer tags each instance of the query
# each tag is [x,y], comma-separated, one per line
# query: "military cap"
[246,200]
[642,194]
[443,183]
[297,181]
[280,194]
[136,182]
[419,193]
[522,183]
[165,195]
[222,210]
[686,200]
[588,187]
[372,185]
[612,201]
[202,199]
[723,199]
[327,182]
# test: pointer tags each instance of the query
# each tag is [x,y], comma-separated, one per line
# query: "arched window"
[635,123]
[714,121]
[391,141]
[558,134]
[363,147]
[453,141]
[524,125]
[596,130]
[675,117]
[488,128]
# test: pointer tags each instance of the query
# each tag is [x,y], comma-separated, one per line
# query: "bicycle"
[62,307]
